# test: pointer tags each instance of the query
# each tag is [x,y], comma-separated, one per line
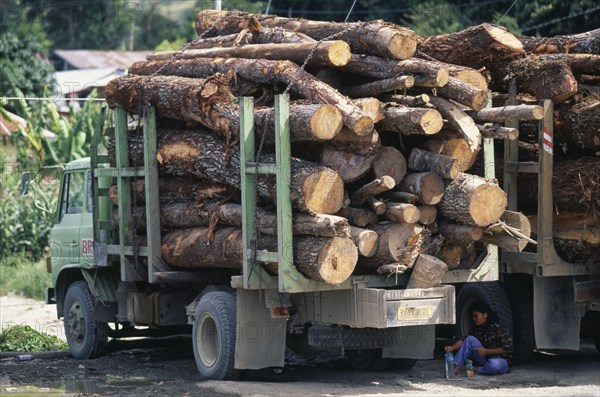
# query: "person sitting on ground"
[488,344]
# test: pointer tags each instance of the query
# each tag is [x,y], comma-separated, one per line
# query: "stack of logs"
[382,138]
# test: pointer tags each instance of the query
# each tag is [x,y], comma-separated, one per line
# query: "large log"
[176,190]
[452,144]
[481,46]
[390,162]
[323,54]
[458,255]
[577,124]
[444,166]
[256,35]
[460,233]
[507,113]
[383,68]
[461,92]
[208,101]
[186,215]
[545,79]
[348,165]
[402,212]
[365,145]
[328,259]
[472,200]
[501,235]
[379,87]
[582,43]
[372,188]
[459,121]
[199,154]
[397,243]
[374,37]
[410,121]
[429,186]
[427,272]
[365,240]
[263,72]
[498,132]
[428,214]
[407,100]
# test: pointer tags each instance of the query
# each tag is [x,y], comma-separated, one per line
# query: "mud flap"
[417,342]
[260,339]
[556,318]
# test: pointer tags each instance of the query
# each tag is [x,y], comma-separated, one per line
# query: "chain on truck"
[109,282]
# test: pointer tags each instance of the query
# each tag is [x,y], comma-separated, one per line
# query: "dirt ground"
[166,366]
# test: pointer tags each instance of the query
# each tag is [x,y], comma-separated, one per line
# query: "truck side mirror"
[25,179]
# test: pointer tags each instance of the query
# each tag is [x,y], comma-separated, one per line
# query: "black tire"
[333,337]
[214,336]
[520,295]
[596,339]
[492,294]
[86,337]
[403,363]
[368,360]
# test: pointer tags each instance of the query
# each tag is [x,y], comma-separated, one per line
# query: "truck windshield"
[73,194]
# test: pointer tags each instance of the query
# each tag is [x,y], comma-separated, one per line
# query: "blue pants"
[489,366]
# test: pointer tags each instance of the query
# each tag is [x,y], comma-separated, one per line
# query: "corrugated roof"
[94,59]
[74,81]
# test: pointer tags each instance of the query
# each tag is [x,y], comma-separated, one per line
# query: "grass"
[23,338]
[22,276]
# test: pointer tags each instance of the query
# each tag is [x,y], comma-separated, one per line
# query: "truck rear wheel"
[490,293]
[214,336]
[520,295]
[86,337]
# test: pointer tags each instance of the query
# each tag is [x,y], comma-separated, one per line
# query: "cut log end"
[431,122]
[326,122]
[504,36]
[339,53]
[338,259]
[324,192]
[487,205]
[402,46]
[362,126]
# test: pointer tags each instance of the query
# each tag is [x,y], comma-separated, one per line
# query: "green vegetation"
[23,338]
[18,274]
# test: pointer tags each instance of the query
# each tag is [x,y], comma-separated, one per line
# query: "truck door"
[65,241]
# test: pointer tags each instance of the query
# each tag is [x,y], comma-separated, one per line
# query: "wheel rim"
[76,323]
[208,340]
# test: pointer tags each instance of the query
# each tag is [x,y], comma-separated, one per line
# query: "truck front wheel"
[86,337]
[214,336]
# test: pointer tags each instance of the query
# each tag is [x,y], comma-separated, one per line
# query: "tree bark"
[407,100]
[379,87]
[323,54]
[498,132]
[402,212]
[582,43]
[444,166]
[578,123]
[427,272]
[250,36]
[356,216]
[481,46]
[331,260]
[468,75]
[460,233]
[314,188]
[428,214]
[372,188]
[383,68]
[409,121]
[472,200]
[459,121]
[464,93]
[429,186]
[374,37]
[402,197]
[497,235]
[452,144]
[507,113]
[391,162]
[378,207]
[365,240]
[263,72]
[372,107]
[365,145]
[397,243]
[349,166]
[458,255]
[548,79]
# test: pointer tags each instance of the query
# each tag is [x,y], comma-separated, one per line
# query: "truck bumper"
[50,296]
[383,308]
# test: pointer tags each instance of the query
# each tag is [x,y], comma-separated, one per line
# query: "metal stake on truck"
[547,302]
[104,274]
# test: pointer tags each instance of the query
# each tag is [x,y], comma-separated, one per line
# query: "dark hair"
[483,307]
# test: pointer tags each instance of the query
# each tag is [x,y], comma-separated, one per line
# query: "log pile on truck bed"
[384,138]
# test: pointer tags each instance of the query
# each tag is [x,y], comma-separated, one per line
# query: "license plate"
[415,313]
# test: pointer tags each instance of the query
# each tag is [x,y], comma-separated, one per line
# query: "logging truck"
[549,303]
[108,281]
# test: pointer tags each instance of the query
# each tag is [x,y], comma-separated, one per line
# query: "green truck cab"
[110,283]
